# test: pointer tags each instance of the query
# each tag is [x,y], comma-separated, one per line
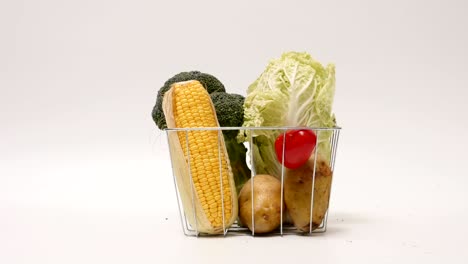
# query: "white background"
[84,173]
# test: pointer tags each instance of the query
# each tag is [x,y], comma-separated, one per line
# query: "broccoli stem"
[237,156]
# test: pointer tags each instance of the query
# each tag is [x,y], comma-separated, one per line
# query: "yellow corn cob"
[188,104]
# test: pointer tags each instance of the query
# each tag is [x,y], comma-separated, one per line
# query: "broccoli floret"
[229,110]
[211,84]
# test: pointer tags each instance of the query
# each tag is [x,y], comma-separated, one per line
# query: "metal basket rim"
[253,128]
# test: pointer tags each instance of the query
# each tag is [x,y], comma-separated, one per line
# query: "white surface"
[84,174]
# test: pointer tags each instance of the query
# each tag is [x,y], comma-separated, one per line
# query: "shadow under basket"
[192,149]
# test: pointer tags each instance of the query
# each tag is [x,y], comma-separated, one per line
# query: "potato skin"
[267,203]
[298,190]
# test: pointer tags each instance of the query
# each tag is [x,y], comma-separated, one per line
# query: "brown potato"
[298,190]
[266,202]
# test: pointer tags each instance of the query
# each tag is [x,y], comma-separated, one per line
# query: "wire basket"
[326,147]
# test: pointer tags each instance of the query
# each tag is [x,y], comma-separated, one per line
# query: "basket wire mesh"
[236,228]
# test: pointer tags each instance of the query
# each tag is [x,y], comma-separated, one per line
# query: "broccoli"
[211,84]
[230,112]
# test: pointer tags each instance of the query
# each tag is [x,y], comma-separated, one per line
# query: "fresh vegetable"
[298,146]
[294,90]
[188,104]
[211,84]
[230,113]
[298,191]
[266,204]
